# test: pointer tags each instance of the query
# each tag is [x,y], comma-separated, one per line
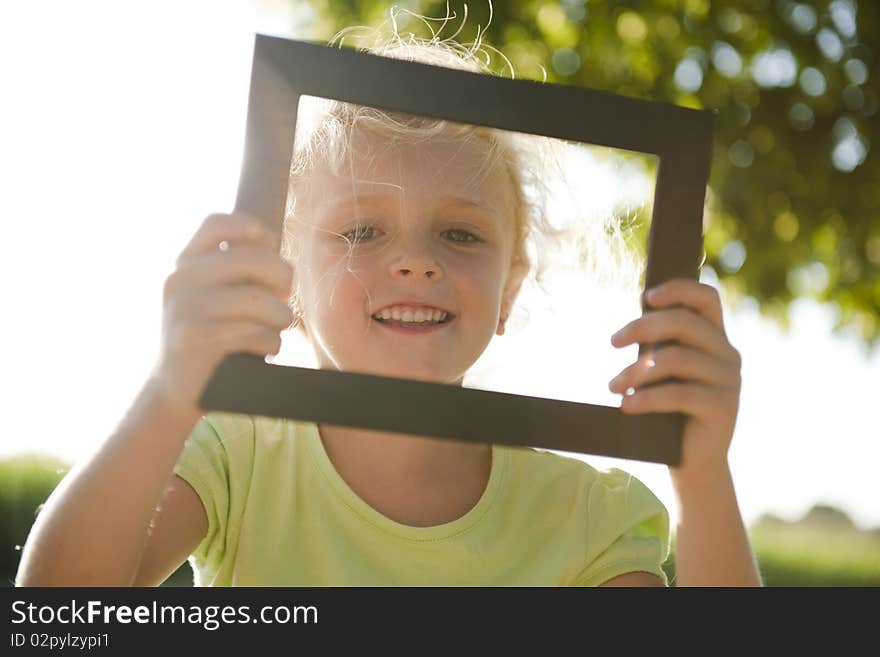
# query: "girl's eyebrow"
[467,203]
[335,204]
[447,201]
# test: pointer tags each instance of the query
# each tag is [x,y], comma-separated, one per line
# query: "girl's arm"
[227,295]
[698,375]
[93,529]
[712,545]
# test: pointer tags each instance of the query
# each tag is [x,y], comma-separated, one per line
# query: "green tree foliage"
[794,204]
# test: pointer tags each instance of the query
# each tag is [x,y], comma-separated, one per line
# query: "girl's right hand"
[221,299]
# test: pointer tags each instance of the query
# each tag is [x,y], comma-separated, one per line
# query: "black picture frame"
[284,69]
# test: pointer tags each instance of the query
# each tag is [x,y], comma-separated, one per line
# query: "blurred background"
[122,127]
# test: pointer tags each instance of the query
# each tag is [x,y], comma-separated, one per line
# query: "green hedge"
[25,483]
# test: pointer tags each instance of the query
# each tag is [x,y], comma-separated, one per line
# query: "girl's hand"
[228,295]
[706,368]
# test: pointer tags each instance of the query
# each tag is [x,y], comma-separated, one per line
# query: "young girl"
[402,255]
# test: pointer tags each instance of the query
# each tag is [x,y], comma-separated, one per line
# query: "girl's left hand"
[705,364]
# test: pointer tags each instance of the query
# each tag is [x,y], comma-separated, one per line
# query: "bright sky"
[122,128]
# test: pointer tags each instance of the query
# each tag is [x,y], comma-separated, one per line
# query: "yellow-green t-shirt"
[279,514]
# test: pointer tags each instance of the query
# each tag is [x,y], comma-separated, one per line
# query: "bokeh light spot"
[741,154]
[843,15]
[812,81]
[801,16]
[667,27]
[774,68]
[786,226]
[849,153]
[726,59]
[688,75]
[729,20]
[829,43]
[631,27]
[856,71]
[566,61]
[732,256]
[761,137]
[550,17]
[808,280]
[801,116]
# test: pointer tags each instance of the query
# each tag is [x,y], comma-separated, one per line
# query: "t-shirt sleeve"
[628,530]
[204,464]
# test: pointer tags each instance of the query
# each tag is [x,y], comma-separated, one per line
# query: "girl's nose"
[418,262]
[429,273]
[417,267]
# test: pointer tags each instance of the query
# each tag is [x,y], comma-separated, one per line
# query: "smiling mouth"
[417,327]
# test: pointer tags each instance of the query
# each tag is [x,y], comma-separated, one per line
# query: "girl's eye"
[359,233]
[464,236]
[364,233]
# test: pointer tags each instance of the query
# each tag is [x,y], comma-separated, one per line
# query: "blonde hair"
[325,129]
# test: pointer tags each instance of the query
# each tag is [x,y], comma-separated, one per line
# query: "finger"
[240,336]
[701,298]
[232,229]
[679,325]
[691,398]
[243,265]
[245,302]
[680,362]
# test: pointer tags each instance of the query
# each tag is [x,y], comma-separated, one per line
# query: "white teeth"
[410,315]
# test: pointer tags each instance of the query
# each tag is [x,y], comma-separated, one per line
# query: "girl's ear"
[515,278]
[301,326]
[295,303]
[298,320]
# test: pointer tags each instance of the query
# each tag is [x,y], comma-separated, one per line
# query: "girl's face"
[427,226]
